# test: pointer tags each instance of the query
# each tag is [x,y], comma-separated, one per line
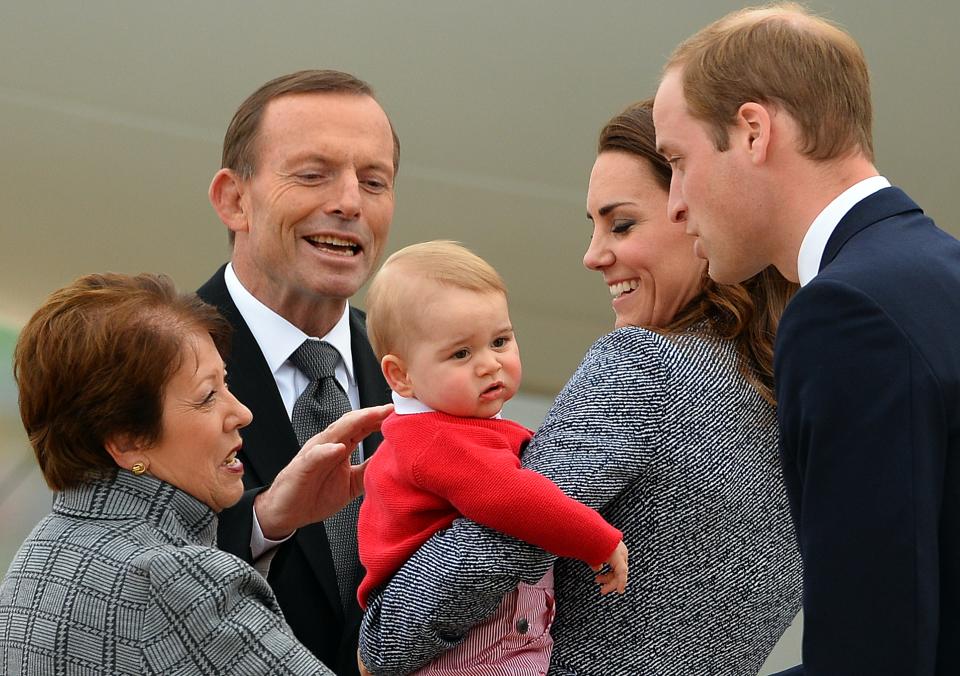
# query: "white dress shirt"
[278,339]
[815,241]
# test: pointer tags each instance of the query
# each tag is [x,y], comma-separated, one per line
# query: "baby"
[438,320]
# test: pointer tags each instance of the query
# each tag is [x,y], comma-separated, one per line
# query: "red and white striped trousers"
[515,640]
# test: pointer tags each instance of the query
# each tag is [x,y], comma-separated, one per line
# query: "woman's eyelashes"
[207,400]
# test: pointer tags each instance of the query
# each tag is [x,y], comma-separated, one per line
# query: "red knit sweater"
[432,468]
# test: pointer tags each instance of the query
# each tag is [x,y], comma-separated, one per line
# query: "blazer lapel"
[269,440]
[373,392]
[879,206]
[373,388]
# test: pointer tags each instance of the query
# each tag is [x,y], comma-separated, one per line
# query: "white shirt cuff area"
[262,549]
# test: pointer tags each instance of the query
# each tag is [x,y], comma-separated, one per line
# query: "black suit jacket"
[301,573]
[868,382]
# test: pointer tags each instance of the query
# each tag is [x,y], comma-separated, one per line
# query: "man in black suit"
[306,191]
[765,116]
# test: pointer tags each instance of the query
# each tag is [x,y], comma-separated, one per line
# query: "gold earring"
[138,468]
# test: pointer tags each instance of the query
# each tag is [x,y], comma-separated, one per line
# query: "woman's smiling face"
[647,262]
[200,436]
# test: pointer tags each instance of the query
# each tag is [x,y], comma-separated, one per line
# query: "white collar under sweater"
[409,405]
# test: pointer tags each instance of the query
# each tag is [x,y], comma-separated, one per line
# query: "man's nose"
[676,205]
[345,202]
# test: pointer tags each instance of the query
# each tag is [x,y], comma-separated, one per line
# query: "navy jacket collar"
[879,206]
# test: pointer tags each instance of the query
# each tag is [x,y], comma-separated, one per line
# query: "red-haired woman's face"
[197,450]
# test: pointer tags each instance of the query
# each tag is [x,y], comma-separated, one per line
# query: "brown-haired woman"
[668,428]
[123,396]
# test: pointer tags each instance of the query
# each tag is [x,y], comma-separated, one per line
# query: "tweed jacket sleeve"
[209,613]
[458,577]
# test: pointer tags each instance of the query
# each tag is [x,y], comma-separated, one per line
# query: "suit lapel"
[373,388]
[373,392]
[879,206]
[269,442]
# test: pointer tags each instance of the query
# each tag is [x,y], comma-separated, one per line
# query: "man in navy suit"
[765,116]
[306,192]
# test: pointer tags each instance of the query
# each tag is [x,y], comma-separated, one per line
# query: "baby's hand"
[615,579]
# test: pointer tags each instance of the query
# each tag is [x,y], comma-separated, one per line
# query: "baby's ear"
[395,372]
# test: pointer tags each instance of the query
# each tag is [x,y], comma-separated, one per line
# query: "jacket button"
[522,625]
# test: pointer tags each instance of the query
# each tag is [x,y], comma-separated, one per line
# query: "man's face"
[317,212]
[714,193]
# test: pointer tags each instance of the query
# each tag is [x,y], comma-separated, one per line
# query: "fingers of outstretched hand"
[356,478]
[315,459]
[352,427]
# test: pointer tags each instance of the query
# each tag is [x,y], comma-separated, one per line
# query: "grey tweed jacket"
[123,578]
[668,441]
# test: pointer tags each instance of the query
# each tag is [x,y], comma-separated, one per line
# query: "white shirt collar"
[277,337]
[410,405]
[815,241]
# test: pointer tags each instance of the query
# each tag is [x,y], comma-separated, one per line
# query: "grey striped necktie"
[323,402]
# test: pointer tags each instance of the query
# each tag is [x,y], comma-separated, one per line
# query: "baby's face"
[464,360]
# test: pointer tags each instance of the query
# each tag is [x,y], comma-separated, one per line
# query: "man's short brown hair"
[240,141]
[93,362]
[780,55]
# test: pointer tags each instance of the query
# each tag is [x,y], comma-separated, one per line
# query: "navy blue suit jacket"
[868,383]
[301,574]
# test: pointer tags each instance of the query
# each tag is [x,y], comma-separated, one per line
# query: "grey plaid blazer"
[123,577]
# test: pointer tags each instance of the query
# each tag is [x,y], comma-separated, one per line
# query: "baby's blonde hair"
[393,297]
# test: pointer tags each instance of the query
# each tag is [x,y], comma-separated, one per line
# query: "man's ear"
[755,124]
[395,372]
[226,195]
[124,449]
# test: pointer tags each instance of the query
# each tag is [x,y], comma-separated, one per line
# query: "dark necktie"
[323,402]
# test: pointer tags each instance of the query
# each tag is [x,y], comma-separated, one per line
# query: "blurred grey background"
[113,114]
